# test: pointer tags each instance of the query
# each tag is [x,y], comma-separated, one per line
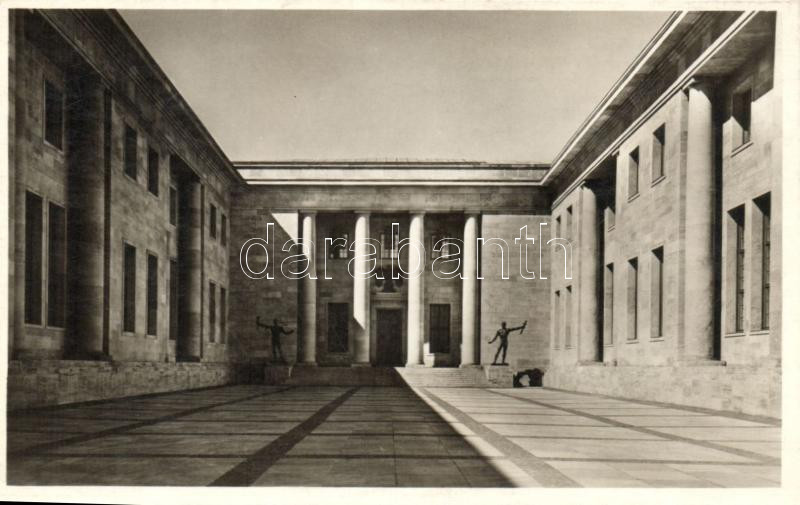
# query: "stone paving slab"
[389,436]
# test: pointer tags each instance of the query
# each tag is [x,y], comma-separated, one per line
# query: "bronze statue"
[502,334]
[276,330]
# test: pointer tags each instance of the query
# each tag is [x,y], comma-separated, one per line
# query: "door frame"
[386,305]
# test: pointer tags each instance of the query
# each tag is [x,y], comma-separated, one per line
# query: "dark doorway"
[390,337]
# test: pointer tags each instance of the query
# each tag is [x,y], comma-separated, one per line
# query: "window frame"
[45,110]
[212,311]
[129,288]
[173,205]
[38,280]
[657,293]
[568,308]
[130,158]
[223,314]
[608,304]
[223,229]
[742,136]
[634,164]
[151,297]
[633,299]
[56,290]
[740,252]
[212,221]
[658,154]
[173,299]
[151,169]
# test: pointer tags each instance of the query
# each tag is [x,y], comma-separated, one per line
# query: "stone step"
[474,377]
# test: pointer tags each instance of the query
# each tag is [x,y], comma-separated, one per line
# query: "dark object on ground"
[534,378]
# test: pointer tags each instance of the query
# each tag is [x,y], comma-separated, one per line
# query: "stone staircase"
[342,376]
[472,377]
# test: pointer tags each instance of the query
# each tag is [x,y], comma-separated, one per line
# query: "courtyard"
[253,435]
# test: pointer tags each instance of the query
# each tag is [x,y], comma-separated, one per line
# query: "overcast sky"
[312,85]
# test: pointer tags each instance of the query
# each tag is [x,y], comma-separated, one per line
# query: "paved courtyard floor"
[373,436]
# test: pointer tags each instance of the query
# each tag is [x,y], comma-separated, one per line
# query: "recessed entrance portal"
[389,349]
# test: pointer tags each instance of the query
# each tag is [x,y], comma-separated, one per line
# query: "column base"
[415,365]
[309,363]
[361,365]
[470,365]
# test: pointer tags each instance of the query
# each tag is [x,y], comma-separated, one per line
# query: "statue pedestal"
[499,376]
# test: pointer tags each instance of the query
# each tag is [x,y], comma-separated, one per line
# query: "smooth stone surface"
[390,436]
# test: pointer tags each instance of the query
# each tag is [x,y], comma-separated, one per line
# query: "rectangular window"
[557,320]
[568,224]
[338,327]
[53,115]
[439,335]
[152,294]
[390,244]
[223,229]
[212,228]
[223,315]
[56,266]
[173,206]
[212,311]
[568,317]
[742,101]
[445,248]
[129,289]
[633,298]
[129,155]
[657,293]
[34,223]
[763,205]
[558,227]
[633,173]
[173,299]
[152,171]
[337,247]
[608,305]
[737,215]
[658,153]
[611,215]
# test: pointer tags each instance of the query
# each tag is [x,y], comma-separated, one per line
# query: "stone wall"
[746,389]
[515,299]
[61,46]
[269,299]
[749,171]
[38,383]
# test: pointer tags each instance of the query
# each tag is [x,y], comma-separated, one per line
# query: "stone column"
[86,226]
[190,260]
[469,290]
[416,293]
[308,292]
[699,200]
[588,335]
[361,307]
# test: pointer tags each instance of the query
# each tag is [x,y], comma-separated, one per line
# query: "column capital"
[362,212]
[307,212]
[471,212]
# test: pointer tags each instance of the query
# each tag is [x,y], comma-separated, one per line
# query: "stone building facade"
[113,184]
[141,256]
